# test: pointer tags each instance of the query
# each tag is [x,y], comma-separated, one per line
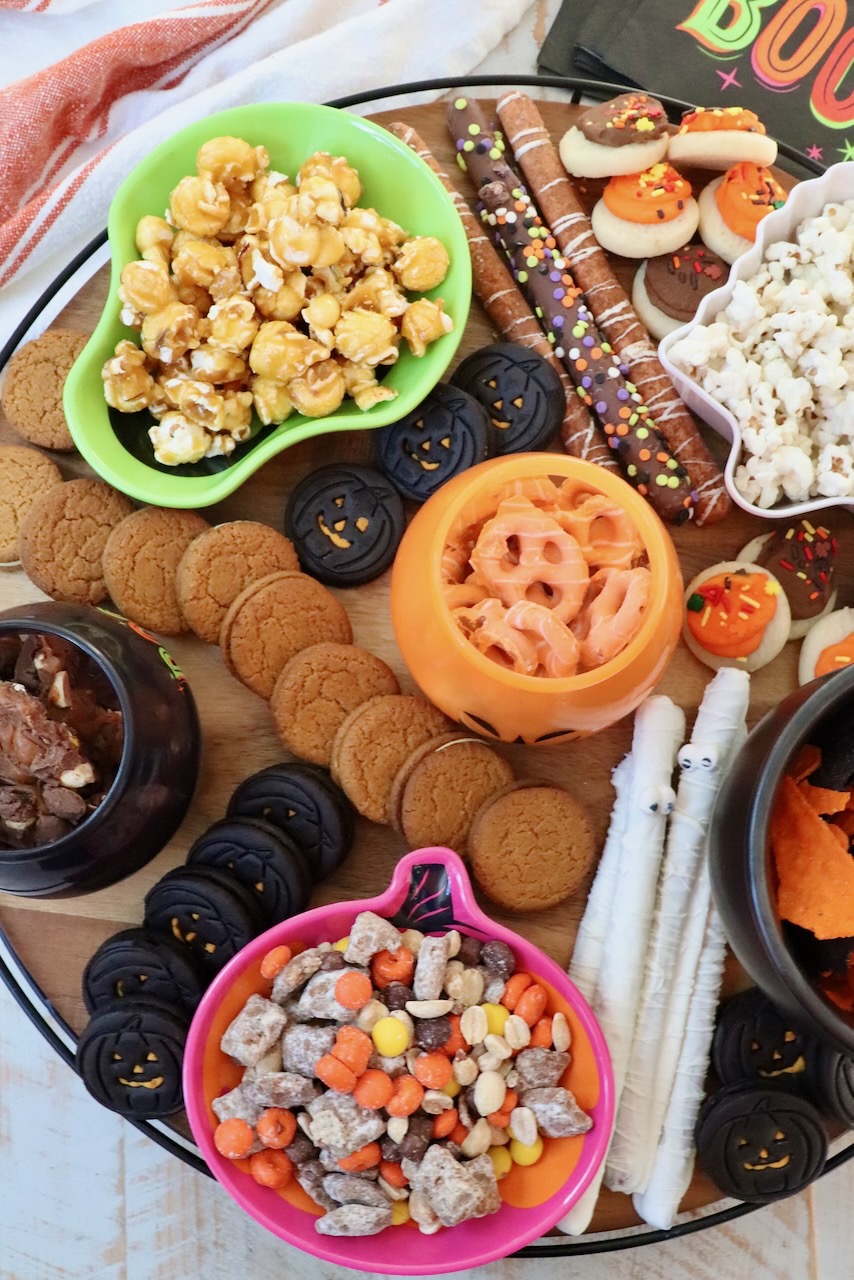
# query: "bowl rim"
[332,1249]
[471,484]
[778,225]
[108,668]
[162,488]
[837,686]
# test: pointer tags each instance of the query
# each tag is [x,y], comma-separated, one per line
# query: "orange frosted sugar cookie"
[705,119]
[736,615]
[747,194]
[657,195]
[717,137]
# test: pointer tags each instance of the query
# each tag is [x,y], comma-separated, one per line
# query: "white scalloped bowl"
[806,200]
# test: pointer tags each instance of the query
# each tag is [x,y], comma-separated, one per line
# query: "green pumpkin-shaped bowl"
[396,182]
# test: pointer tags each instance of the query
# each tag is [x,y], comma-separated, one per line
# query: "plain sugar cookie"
[32,389]
[63,537]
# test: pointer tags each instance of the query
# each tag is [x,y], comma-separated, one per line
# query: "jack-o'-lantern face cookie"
[446,434]
[521,393]
[760,1143]
[346,521]
[754,1041]
[207,910]
[130,1057]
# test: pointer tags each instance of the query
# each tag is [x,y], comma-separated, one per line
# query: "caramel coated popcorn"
[282,296]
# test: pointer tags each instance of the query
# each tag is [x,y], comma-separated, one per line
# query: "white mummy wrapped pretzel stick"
[677,934]
[659,731]
[508,311]
[555,195]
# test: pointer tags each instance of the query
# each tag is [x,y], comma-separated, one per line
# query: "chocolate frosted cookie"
[129,1057]
[667,290]
[759,1142]
[207,910]
[346,521]
[446,434]
[521,393]
[138,962]
[802,558]
[303,802]
[754,1041]
[263,858]
[624,135]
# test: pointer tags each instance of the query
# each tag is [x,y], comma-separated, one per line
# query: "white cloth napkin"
[106,80]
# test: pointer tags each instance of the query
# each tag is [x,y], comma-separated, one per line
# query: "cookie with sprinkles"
[599,376]
[828,646]
[624,135]
[736,615]
[642,215]
[732,206]
[667,290]
[719,137]
[802,557]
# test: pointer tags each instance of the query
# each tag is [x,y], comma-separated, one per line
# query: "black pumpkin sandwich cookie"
[345,521]
[263,858]
[830,1077]
[753,1041]
[760,1142]
[448,432]
[303,801]
[207,910]
[521,393]
[129,1057]
[137,962]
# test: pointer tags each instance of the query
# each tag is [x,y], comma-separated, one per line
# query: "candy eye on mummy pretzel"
[694,758]
[660,800]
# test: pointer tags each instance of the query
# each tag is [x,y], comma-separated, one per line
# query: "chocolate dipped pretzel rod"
[558,202]
[543,276]
[510,314]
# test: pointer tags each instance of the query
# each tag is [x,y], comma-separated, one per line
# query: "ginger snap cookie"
[531,846]
[440,788]
[318,689]
[272,620]
[141,562]
[221,563]
[374,742]
[27,474]
[63,536]
[32,388]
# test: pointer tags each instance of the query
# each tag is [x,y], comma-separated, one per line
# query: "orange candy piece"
[518,983]
[354,1048]
[276,1127]
[366,1157]
[374,1089]
[393,1174]
[433,1070]
[455,1040]
[271,1168]
[406,1097]
[532,1004]
[353,990]
[392,966]
[541,1034]
[233,1138]
[274,961]
[816,874]
[445,1123]
[335,1074]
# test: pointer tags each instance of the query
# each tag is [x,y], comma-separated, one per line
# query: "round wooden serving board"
[55,938]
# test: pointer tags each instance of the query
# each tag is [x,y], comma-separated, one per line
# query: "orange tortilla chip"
[839,834]
[816,875]
[805,762]
[845,820]
[823,799]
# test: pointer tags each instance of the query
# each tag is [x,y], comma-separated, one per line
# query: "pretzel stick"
[561,209]
[510,314]
[543,277]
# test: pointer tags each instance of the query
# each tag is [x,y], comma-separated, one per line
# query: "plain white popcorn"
[780,357]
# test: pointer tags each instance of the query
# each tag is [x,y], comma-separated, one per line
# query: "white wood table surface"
[85,1196]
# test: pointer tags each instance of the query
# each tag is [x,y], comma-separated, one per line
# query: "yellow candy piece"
[342,944]
[502,1161]
[390,1037]
[452,1088]
[400,1212]
[496,1016]
[522,1154]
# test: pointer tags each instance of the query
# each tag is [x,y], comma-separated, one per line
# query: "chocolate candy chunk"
[138,962]
[498,959]
[760,1142]
[446,434]
[303,802]
[754,1041]
[206,910]
[346,521]
[521,393]
[129,1058]
[263,858]
[395,996]
[432,1033]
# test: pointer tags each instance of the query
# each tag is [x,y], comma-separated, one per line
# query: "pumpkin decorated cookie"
[718,137]
[732,206]
[802,556]
[829,646]
[736,615]
[624,135]
[641,215]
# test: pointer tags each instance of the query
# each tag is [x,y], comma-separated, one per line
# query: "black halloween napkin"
[789,63]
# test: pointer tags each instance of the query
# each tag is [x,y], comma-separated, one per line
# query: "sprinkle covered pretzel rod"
[556,198]
[541,273]
[508,311]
